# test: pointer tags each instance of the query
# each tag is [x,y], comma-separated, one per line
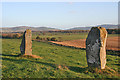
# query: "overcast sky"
[62,15]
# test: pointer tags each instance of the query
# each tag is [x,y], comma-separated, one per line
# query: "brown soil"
[112,43]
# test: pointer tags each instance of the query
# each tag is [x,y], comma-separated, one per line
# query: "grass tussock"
[106,71]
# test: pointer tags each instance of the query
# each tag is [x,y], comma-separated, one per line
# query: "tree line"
[19,35]
[113,31]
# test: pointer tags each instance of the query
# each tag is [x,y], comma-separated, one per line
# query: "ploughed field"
[78,40]
[55,62]
[112,43]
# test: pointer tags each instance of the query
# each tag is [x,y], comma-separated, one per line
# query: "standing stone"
[26,45]
[96,47]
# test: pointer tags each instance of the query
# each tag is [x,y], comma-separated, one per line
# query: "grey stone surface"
[96,47]
[26,44]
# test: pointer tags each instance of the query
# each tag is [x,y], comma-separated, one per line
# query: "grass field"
[63,36]
[66,36]
[57,62]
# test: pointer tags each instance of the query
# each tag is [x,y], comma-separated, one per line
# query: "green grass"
[57,62]
[67,36]
[63,36]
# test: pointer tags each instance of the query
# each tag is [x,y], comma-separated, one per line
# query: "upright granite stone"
[96,47]
[26,45]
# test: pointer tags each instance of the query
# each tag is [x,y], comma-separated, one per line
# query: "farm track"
[112,43]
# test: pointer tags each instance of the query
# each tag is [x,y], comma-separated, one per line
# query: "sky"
[61,15]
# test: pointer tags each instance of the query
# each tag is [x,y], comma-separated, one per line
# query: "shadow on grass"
[116,64]
[55,66]
[77,69]
[47,64]
[10,55]
[23,60]
[20,60]
[113,53]
[15,60]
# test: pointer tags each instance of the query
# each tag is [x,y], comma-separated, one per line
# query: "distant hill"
[23,28]
[107,26]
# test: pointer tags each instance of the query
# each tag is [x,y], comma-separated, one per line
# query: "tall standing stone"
[26,45]
[96,47]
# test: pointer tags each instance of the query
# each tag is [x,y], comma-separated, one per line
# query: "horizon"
[60,15]
[59,28]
